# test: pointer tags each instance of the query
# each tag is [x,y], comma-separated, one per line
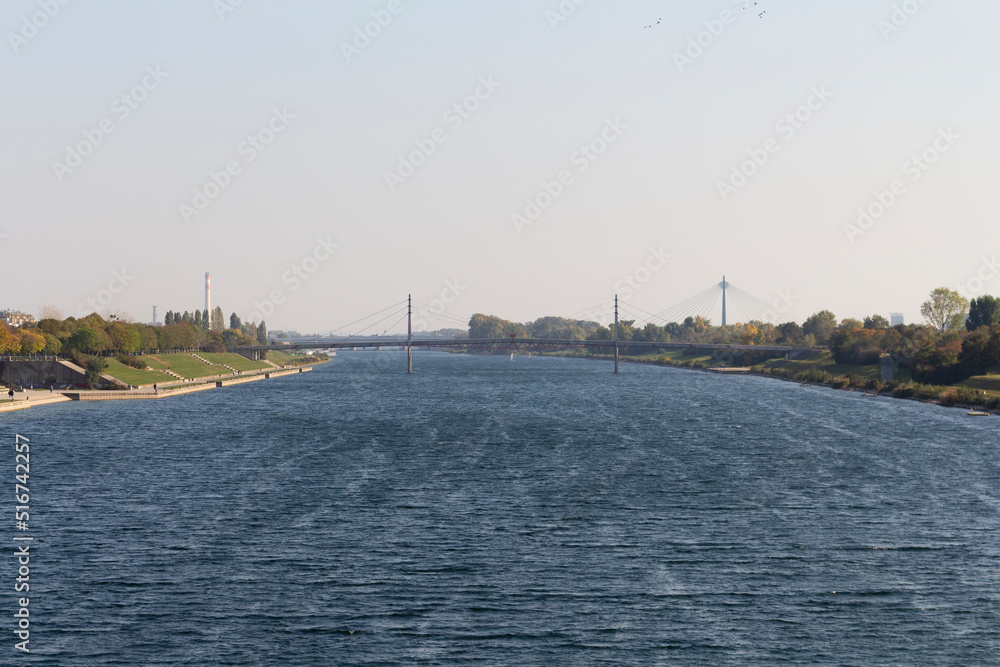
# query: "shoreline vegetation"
[972,397]
[98,358]
[31,398]
[952,360]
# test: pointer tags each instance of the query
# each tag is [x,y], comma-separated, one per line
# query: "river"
[489,511]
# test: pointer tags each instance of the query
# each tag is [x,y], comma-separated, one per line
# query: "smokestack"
[154,315]
[208,294]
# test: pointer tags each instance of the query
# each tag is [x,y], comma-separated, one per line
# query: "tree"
[491,326]
[983,312]
[876,322]
[751,335]
[235,322]
[52,344]
[945,310]
[123,338]
[9,343]
[820,325]
[204,320]
[50,312]
[851,323]
[88,340]
[981,349]
[262,333]
[236,338]
[149,341]
[168,319]
[31,342]
[95,366]
[790,333]
[218,319]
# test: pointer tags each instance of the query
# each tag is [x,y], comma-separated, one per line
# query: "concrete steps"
[172,374]
[203,359]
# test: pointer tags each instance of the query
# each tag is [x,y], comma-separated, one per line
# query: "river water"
[489,511]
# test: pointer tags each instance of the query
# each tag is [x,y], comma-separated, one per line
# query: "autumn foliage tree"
[945,309]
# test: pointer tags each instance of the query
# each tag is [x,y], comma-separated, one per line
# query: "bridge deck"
[512,344]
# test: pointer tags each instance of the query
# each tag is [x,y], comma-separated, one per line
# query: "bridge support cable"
[432,314]
[766,312]
[753,308]
[724,285]
[697,307]
[685,308]
[746,305]
[366,317]
[603,308]
[644,317]
[384,319]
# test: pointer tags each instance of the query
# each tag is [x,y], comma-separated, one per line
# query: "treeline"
[961,338]
[216,322]
[490,326]
[691,330]
[93,335]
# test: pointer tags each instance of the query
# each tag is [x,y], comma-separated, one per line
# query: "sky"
[521,158]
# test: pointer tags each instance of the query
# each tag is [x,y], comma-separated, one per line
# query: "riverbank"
[30,398]
[947,396]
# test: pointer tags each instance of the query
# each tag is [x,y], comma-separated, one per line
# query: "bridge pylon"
[409,333]
[616,334]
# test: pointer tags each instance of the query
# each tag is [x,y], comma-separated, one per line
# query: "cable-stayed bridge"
[702,305]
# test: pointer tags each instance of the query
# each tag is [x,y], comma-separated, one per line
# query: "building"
[14,318]
[895,319]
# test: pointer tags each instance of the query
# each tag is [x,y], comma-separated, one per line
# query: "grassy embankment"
[128,375]
[286,359]
[190,368]
[978,391]
[233,360]
[184,364]
[821,368]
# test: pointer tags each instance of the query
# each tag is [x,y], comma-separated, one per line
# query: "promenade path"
[28,398]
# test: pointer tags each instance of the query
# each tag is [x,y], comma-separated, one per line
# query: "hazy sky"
[309,115]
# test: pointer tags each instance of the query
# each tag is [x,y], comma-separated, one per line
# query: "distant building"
[895,319]
[14,318]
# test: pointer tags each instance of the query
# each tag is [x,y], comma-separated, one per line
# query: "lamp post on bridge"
[616,334]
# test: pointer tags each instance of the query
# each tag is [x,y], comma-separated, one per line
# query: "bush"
[840,382]
[95,366]
[950,397]
[79,358]
[813,376]
[927,391]
[133,362]
[903,390]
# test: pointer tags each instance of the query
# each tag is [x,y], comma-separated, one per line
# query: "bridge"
[702,302]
